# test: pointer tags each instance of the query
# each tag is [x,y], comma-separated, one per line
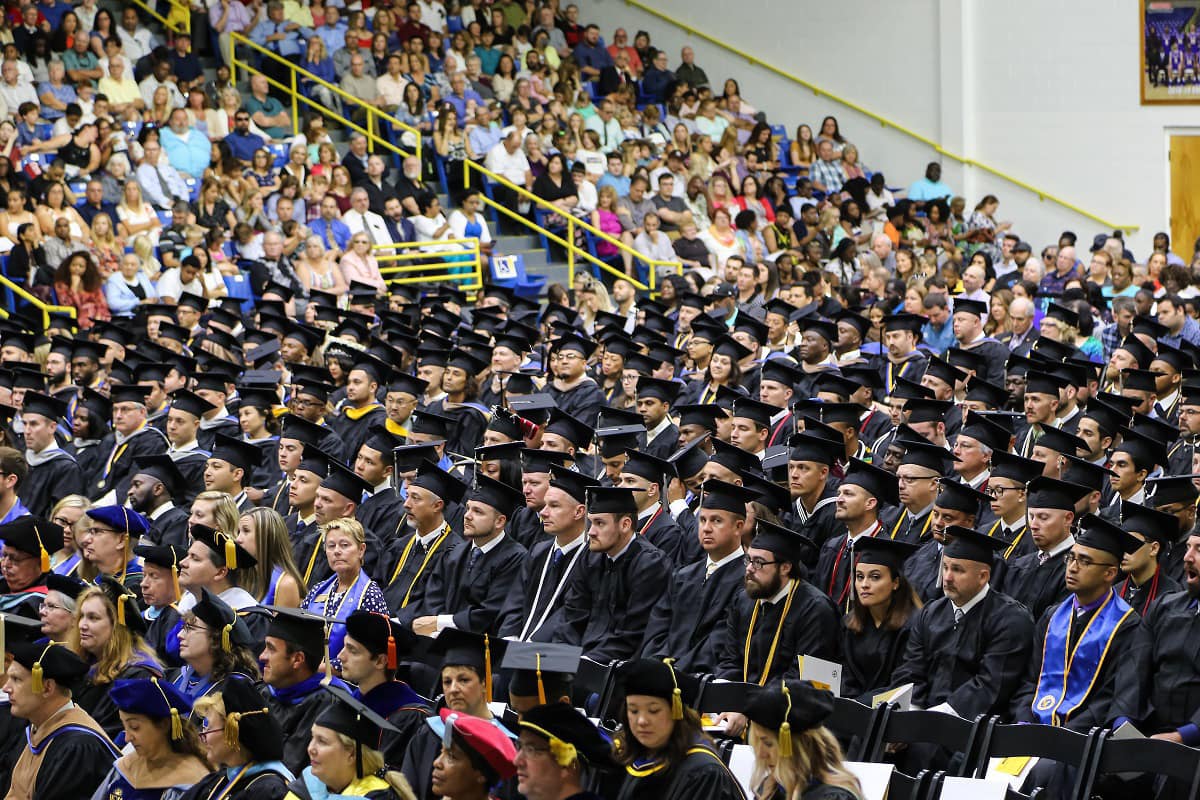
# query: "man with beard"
[85,364]
[918,478]
[780,616]
[865,492]
[968,331]
[155,484]
[58,369]
[1179,455]
[687,621]
[901,333]
[811,459]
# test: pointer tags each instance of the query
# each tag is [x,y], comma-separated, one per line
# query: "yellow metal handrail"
[295,70]
[46,308]
[467,255]
[573,250]
[1043,196]
[179,19]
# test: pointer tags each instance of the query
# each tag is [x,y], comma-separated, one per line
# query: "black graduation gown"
[90,456]
[533,595]
[73,766]
[306,540]
[333,444]
[811,628]
[876,424]
[661,530]
[396,702]
[700,774]
[923,570]
[206,437]
[1179,458]
[418,763]
[820,525]
[1037,586]
[1097,709]
[690,615]
[296,719]
[12,742]
[469,424]
[834,566]
[583,402]
[157,634]
[475,594]
[259,786]
[94,699]
[807,385]
[266,472]
[276,497]
[191,465]
[353,428]
[975,667]
[995,355]
[910,528]
[869,658]
[525,526]
[381,510]
[49,482]
[171,527]
[146,442]
[1165,666]
[609,602]
[1144,596]
[405,577]
[912,368]
[664,444]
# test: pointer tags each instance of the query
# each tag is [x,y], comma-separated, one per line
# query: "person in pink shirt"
[358,264]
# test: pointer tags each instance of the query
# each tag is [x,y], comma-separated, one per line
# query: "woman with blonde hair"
[349,589]
[143,248]
[795,756]
[109,634]
[592,298]
[275,580]
[67,514]
[216,510]
[105,246]
[135,215]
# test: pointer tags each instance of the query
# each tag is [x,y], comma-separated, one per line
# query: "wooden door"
[1184,158]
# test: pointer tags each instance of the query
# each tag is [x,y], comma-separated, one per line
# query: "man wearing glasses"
[28,544]
[131,437]
[1078,691]
[573,390]
[242,142]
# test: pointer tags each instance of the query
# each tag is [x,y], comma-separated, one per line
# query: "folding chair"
[1156,756]
[932,727]
[1078,750]
[856,725]
[909,787]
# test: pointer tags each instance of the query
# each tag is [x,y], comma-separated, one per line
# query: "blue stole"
[269,599]
[69,566]
[18,510]
[349,604]
[298,693]
[200,686]
[1068,675]
[10,601]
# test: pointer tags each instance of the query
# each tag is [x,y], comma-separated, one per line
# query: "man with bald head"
[688,71]
[361,218]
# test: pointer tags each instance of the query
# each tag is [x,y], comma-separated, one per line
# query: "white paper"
[973,789]
[901,697]
[741,764]
[824,674]
[1126,731]
[874,778]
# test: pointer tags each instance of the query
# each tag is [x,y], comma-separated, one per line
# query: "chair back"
[1078,750]
[933,727]
[1157,756]
[856,726]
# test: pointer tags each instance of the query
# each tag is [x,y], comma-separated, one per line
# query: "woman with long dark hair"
[666,754]
[875,629]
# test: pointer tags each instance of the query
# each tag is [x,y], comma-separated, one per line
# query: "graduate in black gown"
[32,539]
[968,650]
[1072,680]
[574,392]
[534,609]
[874,633]
[131,437]
[956,504]
[787,717]
[778,617]
[649,475]
[670,758]
[383,507]
[184,418]
[1037,580]
[655,398]
[370,659]
[472,583]
[690,615]
[295,648]
[360,411]
[811,459]
[1145,581]
[864,493]
[153,488]
[1175,495]
[53,472]
[69,754]
[609,603]
[245,746]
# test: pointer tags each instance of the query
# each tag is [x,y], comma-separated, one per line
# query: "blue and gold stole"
[344,607]
[1068,674]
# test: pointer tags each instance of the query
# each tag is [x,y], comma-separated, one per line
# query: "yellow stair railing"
[375,117]
[574,251]
[178,19]
[456,260]
[1042,195]
[46,308]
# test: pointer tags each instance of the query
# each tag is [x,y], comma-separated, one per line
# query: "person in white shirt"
[136,40]
[12,91]
[360,218]
[469,221]
[508,160]
[585,191]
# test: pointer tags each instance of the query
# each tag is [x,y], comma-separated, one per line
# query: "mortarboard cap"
[1052,493]
[877,482]
[1100,534]
[971,545]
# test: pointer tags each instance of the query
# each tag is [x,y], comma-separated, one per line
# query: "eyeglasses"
[531,750]
[907,480]
[998,491]
[205,730]
[1083,562]
[46,604]
[15,558]
[755,564]
[191,627]
[95,531]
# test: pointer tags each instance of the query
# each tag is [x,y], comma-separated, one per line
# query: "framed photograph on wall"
[1170,51]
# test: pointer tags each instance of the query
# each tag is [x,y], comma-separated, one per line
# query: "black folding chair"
[932,727]
[856,726]
[909,787]
[592,677]
[1077,750]
[1155,756]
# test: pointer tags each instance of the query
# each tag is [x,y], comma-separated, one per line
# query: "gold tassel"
[44,555]
[176,725]
[230,553]
[226,645]
[487,668]
[785,730]
[231,730]
[676,693]
[175,583]
[121,610]
[328,679]
[36,684]
[541,686]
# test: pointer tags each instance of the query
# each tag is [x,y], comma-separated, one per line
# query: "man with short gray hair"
[361,218]
[881,246]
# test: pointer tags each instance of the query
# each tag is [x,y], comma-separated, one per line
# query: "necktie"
[367,230]
[709,570]
[473,557]
[1043,557]
[958,616]
[162,186]
[556,556]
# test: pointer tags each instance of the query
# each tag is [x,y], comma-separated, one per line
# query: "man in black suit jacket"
[376,183]
[356,157]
